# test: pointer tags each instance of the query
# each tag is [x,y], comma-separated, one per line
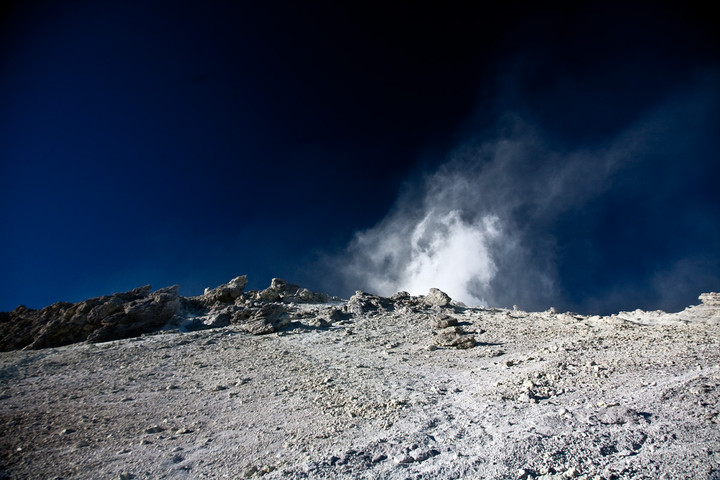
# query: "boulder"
[454,337]
[363,302]
[443,321]
[285,292]
[437,297]
[268,318]
[228,292]
[306,296]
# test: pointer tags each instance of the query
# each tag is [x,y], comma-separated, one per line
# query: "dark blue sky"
[190,142]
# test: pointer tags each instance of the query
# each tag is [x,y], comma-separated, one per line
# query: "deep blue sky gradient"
[190,142]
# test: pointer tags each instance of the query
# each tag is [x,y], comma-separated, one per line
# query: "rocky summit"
[288,383]
[138,312]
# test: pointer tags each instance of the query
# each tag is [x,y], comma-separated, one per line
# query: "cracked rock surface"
[389,388]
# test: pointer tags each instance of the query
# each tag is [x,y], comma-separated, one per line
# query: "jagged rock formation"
[138,312]
[121,315]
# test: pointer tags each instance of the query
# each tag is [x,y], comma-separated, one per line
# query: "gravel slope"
[540,395]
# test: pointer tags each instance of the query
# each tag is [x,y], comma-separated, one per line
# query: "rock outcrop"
[121,315]
[226,293]
[137,312]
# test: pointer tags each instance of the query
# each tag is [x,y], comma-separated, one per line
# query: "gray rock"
[443,321]
[437,297]
[363,302]
[267,319]
[306,296]
[227,293]
[619,415]
[710,299]
[319,322]
[282,291]
[154,429]
[454,337]
[401,297]
[121,315]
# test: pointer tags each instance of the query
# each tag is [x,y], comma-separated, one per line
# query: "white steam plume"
[475,227]
[432,253]
[507,214]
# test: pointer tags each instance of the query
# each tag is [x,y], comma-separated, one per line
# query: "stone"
[267,319]
[443,321]
[710,299]
[401,297]
[319,322]
[285,292]
[363,302]
[422,455]
[571,472]
[619,415]
[250,472]
[154,429]
[437,297]
[306,296]
[228,292]
[454,337]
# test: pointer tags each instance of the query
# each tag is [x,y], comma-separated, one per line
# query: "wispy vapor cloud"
[484,225]
[474,227]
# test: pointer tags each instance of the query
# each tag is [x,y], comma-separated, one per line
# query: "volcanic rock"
[454,337]
[227,292]
[121,315]
[443,321]
[711,299]
[437,297]
[363,302]
[282,291]
[267,319]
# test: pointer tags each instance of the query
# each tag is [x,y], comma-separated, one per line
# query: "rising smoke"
[474,226]
[482,226]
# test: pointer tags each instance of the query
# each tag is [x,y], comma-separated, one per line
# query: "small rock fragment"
[454,337]
[572,472]
[404,459]
[154,429]
[444,321]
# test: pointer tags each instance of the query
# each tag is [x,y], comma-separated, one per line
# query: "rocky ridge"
[138,312]
[286,383]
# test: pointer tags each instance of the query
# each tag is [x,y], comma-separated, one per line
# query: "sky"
[536,154]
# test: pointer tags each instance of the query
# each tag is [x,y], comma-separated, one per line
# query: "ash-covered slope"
[374,388]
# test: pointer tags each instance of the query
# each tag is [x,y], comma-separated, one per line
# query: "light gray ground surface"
[541,395]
